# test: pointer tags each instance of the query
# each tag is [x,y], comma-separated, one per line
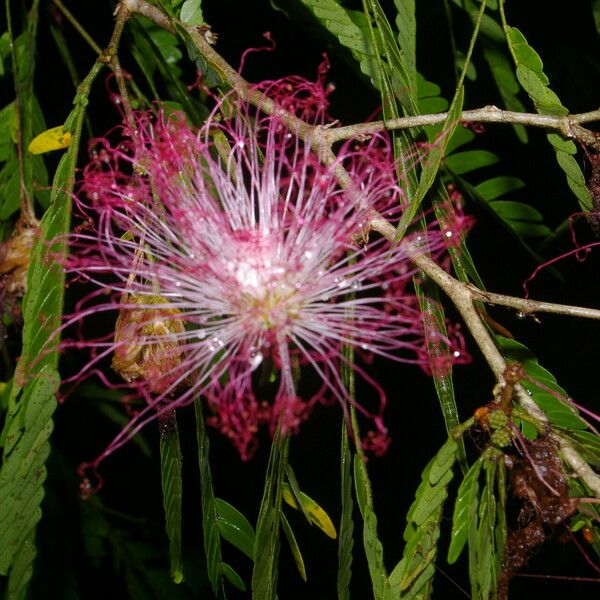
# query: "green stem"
[78,27]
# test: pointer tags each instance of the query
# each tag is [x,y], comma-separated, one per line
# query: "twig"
[569,125]
[110,58]
[528,307]
[78,27]
[321,139]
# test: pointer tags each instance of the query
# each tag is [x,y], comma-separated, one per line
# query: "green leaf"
[522,218]
[431,164]
[501,530]
[7,129]
[494,188]
[4,51]
[524,54]
[210,521]
[156,50]
[406,25]
[266,546]
[372,545]
[191,12]
[231,575]
[437,152]
[434,323]
[487,566]
[434,492]
[413,575]
[505,80]
[529,69]
[346,535]
[464,507]
[470,160]
[168,46]
[9,186]
[398,75]
[492,40]
[517,228]
[170,471]
[336,19]
[314,513]
[438,147]
[295,549]
[31,404]
[26,432]
[235,528]
[587,444]
[542,386]
[468,68]
[443,462]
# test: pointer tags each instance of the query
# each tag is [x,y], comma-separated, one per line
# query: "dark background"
[129,505]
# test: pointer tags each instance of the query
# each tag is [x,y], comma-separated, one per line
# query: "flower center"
[267,292]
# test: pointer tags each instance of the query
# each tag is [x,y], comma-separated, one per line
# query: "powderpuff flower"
[238,265]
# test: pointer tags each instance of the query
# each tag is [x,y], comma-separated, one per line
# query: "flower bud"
[501,437]
[497,419]
[146,342]
[14,259]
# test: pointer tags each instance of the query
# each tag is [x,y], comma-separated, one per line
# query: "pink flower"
[238,265]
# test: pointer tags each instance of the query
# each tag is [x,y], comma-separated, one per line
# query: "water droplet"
[200,334]
[216,343]
[308,255]
[520,315]
[255,358]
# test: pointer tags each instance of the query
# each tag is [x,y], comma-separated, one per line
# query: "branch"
[321,139]
[529,307]
[569,126]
